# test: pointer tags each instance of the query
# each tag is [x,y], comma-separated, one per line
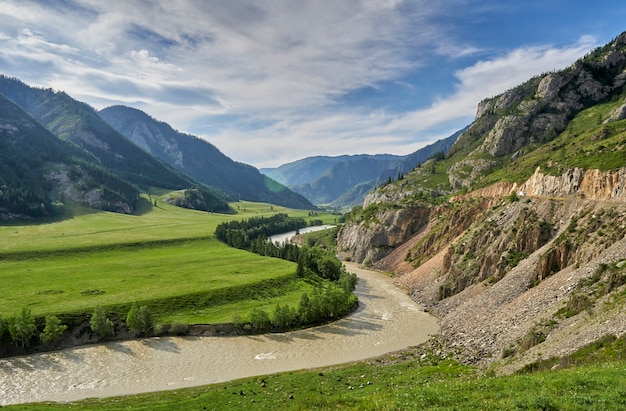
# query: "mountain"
[80,124]
[343,181]
[308,170]
[200,159]
[112,169]
[516,237]
[41,174]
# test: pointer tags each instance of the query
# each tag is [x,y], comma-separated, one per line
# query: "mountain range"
[344,181]
[57,151]
[199,159]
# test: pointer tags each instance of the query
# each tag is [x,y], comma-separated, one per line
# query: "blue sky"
[269,82]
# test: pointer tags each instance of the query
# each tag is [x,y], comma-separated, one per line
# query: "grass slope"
[166,258]
[407,385]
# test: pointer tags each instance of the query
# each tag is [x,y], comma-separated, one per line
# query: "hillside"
[199,159]
[516,237]
[79,123]
[41,175]
[343,181]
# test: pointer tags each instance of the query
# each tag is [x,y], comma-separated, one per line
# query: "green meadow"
[164,257]
[410,384]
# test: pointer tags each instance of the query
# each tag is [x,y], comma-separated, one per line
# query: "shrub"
[53,331]
[259,319]
[139,319]
[100,324]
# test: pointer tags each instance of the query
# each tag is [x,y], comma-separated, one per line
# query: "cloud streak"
[270,78]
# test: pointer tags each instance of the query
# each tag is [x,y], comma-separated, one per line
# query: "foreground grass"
[404,386]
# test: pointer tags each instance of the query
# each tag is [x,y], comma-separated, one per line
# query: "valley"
[167,258]
[491,263]
[131,367]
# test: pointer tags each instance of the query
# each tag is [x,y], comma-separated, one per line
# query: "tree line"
[241,234]
[22,326]
[332,296]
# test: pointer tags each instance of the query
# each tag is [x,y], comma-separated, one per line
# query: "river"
[387,320]
[285,237]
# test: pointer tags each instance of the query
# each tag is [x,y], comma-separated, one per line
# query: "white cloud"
[276,68]
[379,132]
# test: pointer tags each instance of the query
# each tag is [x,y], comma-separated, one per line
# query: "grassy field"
[407,385]
[165,257]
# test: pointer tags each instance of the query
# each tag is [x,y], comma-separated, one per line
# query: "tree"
[283,316]
[100,324]
[300,271]
[259,319]
[306,312]
[22,327]
[53,330]
[139,319]
[347,281]
[329,268]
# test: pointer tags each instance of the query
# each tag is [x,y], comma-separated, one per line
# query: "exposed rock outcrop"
[373,240]
[577,182]
[497,270]
[519,268]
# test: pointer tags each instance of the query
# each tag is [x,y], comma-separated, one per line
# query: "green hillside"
[200,159]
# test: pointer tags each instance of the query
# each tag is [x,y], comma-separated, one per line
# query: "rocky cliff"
[517,238]
[498,270]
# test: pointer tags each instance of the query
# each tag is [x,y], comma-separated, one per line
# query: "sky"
[272,81]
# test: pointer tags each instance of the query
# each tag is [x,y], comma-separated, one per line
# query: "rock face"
[540,109]
[370,242]
[79,190]
[577,182]
[498,270]
[517,269]
[392,227]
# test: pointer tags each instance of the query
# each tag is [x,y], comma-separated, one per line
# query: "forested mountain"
[343,181]
[200,159]
[516,237]
[78,159]
[80,124]
[40,173]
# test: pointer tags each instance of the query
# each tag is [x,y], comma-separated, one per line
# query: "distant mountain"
[40,174]
[307,170]
[200,159]
[80,124]
[343,181]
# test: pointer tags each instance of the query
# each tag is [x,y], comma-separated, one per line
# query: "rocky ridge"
[517,270]
[497,270]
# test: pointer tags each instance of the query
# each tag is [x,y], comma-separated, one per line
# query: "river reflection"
[386,320]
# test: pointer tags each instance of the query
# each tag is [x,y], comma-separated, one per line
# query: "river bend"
[387,320]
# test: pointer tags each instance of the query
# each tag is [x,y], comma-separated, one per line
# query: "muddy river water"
[387,320]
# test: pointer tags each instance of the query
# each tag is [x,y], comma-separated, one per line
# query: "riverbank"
[380,325]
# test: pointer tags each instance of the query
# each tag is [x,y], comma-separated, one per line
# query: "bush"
[283,316]
[53,331]
[259,319]
[139,319]
[100,324]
